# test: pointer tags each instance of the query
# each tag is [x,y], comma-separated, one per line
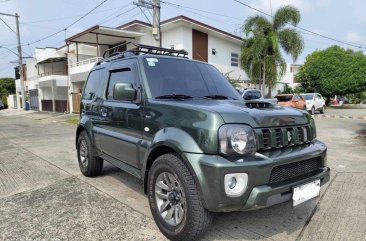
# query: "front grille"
[296,169]
[279,137]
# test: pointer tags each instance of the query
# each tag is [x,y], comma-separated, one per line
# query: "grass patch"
[73,120]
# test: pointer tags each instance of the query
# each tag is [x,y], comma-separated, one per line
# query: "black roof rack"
[137,49]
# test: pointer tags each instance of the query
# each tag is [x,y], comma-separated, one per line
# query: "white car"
[255,94]
[314,102]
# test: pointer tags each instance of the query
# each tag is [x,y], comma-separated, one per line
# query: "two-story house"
[203,43]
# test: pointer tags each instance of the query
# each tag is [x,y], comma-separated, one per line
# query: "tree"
[334,71]
[7,86]
[261,56]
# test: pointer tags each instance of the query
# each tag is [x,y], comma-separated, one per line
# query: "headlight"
[237,139]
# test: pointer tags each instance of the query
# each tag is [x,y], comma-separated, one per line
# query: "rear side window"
[124,75]
[92,85]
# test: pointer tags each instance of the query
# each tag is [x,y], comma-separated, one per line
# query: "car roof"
[285,94]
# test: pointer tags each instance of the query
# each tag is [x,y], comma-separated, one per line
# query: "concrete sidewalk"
[44,196]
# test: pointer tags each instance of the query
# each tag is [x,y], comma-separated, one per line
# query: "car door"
[298,103]
[92,96]
[318,101]
[120,129]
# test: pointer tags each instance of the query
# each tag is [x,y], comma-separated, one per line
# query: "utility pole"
[22,89]
[155,6]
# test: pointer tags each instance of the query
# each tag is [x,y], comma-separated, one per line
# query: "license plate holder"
[305,192]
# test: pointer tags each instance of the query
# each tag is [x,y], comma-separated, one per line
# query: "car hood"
[253,113]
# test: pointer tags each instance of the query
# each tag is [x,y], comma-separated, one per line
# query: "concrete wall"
[222,58]
[32,75]
[181,38]
[11,101]
[289,77]
[59,92]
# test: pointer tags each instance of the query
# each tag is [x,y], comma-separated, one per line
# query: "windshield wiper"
[174,96]
[217,97]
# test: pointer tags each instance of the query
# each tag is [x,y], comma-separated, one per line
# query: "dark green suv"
[178,125]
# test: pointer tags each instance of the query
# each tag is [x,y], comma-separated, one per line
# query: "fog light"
[232,183]
[235,184]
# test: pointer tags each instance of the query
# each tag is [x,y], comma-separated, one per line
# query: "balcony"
[57,78]
[79,71]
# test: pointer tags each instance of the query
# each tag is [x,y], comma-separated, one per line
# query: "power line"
[8,26]
[304,29]
[64,29]
[200,10]
[204,16]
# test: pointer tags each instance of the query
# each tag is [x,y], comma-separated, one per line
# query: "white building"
[289,77]
[55,76]
[52,79]
[201,41]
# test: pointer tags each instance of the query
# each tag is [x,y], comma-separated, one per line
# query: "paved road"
[44,196]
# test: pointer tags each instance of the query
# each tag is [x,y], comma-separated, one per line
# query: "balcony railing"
[52,73]
[84,62]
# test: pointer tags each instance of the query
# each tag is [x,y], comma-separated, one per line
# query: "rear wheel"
[174,200]
[90,165]
[322,110]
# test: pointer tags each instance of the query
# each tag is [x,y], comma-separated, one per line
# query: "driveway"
[43,195]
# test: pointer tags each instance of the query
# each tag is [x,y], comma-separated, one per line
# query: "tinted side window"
[248,95]
[257,95]
[120,76]
[92,85]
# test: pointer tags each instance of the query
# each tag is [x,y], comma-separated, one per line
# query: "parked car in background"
[2,106]
[314,102]
[293,100]
[255,94]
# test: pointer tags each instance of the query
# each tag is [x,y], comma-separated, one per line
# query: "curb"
[341,117]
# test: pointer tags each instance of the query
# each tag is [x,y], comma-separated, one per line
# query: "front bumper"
[211,169]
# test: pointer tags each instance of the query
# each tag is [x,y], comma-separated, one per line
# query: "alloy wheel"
[170,198]
[84,154]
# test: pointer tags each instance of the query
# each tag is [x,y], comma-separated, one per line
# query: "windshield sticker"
[152,61]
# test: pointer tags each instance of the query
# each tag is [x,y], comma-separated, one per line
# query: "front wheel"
[174,200]
[90,165]
[312,112]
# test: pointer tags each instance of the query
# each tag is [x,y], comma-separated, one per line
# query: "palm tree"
[261,56]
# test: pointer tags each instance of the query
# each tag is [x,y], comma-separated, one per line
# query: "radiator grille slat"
[279,137]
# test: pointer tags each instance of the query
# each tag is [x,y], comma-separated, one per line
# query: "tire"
[312,111]
[322,110]
[190,219]
[90,165]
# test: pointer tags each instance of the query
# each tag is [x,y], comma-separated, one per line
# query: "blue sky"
[343,20]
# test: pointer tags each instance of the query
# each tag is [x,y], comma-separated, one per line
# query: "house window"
[234,59]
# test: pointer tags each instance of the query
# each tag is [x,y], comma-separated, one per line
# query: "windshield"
[175,76]
[308,97]
[284,98]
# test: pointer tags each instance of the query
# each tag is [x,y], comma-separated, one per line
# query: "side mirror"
[124,92]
